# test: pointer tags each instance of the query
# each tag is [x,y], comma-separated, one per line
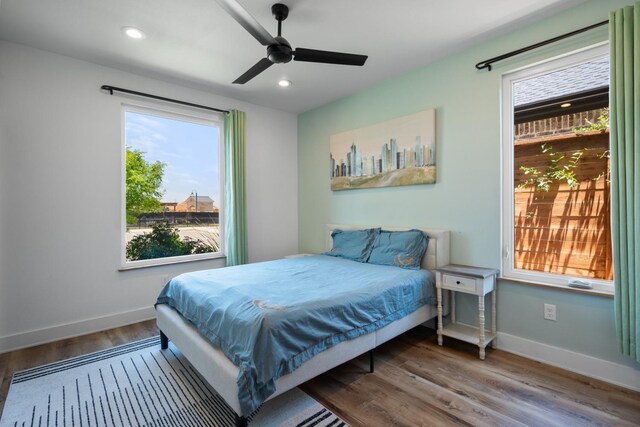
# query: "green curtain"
[624,37]
[235,195]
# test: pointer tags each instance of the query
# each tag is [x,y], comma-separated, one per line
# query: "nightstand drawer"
[457,282]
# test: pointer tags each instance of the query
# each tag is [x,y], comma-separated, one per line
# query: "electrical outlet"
[550,312]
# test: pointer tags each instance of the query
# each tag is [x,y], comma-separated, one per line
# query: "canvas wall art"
[396,152]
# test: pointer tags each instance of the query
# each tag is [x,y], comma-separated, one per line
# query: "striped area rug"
[138,384]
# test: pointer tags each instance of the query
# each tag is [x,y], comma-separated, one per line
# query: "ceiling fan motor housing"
[279,53]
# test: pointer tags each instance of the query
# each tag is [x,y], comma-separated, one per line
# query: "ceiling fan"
[279,50]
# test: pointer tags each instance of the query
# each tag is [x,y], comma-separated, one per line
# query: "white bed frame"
[221,373]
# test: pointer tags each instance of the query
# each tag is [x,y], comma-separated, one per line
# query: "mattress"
[269,318]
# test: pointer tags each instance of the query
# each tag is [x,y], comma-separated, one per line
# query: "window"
[172,169]
[556,201]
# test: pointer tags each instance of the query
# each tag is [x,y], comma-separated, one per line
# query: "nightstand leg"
[494,322]
[481,325]
[439,294]
[452,296]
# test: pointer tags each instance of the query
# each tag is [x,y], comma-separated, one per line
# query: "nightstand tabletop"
[466,270]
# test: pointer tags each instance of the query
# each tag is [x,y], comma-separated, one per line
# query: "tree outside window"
[172,186]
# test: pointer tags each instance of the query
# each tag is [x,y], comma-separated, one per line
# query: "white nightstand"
[298,255]
[470,280]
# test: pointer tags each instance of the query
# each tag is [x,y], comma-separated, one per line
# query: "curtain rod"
[487,62]
[112,89]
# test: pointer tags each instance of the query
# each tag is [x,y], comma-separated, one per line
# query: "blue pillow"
[353,244]
[400,248]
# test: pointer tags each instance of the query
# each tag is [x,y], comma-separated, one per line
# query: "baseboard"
[69,330]
[614,373]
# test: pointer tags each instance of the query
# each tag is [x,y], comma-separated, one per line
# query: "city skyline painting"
[395,152]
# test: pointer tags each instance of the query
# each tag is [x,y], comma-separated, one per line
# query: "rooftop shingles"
[579,78]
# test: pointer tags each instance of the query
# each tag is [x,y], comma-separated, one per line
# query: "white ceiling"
[195,43]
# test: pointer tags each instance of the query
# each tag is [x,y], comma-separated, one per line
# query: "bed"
[223,374]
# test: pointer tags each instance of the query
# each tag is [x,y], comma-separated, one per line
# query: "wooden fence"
[178,218]
[564,230]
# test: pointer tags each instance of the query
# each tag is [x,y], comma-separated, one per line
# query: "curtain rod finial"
[107,88]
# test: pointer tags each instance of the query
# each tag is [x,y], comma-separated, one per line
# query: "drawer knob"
[457,282]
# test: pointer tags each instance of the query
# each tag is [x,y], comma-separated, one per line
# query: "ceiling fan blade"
[327,57]
[249,23]
[260,66]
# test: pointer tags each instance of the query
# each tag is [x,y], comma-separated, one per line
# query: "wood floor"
[416,382]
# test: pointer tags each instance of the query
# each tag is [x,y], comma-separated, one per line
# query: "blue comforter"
[270,317]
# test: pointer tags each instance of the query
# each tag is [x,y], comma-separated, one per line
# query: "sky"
[189,150]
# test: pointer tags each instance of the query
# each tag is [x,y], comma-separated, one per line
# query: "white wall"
[60,196]
[3,166]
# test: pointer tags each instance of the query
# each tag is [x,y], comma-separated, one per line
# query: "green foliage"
[164,241]
[208,241]
[605,154]
[601,124]
[558,170]
[143,181]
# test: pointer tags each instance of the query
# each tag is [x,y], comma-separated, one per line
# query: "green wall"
[466,197]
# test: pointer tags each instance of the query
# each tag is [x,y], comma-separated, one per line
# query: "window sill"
[168,261]
[594,292]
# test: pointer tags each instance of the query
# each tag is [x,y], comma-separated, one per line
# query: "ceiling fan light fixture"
[134,33]
[284,83]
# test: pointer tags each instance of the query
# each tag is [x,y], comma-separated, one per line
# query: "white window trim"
[176,113]
[507,152]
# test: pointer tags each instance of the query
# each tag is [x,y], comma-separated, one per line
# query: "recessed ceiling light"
[133,32]
[284,83]
[565,105]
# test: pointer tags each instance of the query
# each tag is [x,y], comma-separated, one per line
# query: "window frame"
[507,161]
[174,113]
